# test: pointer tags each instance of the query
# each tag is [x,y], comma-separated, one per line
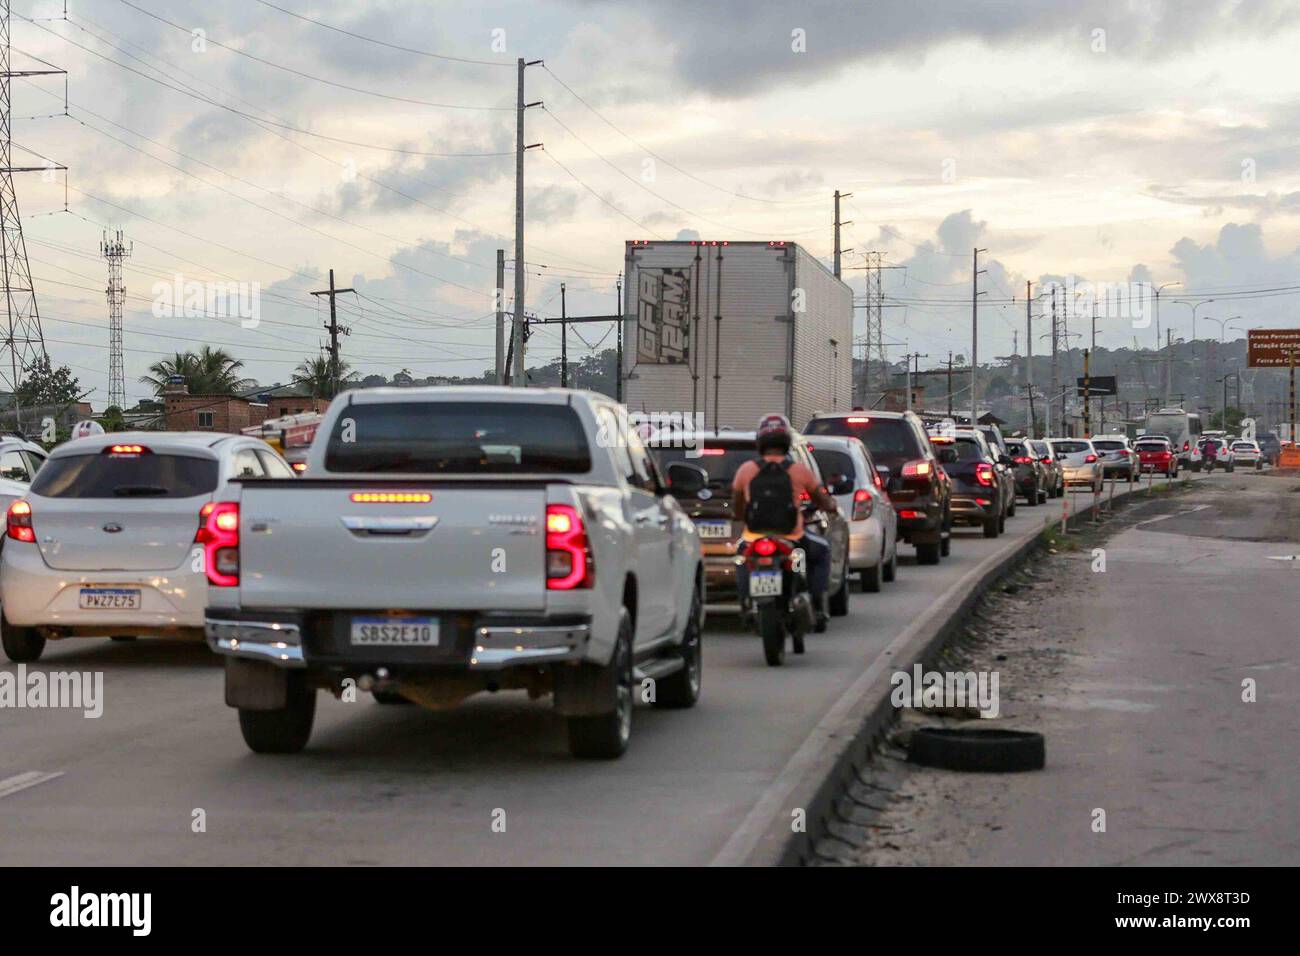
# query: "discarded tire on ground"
[989,751]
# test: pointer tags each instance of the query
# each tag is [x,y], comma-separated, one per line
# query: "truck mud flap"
[584,691]
[253,685]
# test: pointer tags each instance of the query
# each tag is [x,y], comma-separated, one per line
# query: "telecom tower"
[115,250]
[23,342]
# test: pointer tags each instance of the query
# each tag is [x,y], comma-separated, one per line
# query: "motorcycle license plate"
[764,583]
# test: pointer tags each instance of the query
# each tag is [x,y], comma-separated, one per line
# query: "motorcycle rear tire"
[771,626]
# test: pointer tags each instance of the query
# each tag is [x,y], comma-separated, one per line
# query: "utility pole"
[501,316]
[974,335]
[1087,381]
[950,384]
[23,340]
[519,320]
[335,330]
[1055,388]
[838,196]
[564,341]
[907,381]
[115,250]
[1029,353]
[618,338]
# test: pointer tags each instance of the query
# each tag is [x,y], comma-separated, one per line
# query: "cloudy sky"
[1112,140]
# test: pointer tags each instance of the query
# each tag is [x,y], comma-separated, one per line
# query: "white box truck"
[730,331]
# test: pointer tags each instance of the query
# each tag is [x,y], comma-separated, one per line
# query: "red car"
[1156,455]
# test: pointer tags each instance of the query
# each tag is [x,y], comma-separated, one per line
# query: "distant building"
[218,413]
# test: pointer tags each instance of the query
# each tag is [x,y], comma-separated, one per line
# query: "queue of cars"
[447,541]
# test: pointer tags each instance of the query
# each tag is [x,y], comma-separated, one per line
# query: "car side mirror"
[947,455]
[686,479]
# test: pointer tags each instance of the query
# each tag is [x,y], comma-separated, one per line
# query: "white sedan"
[851,476]
[106,541]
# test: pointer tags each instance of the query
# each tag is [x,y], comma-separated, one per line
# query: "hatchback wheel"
[22,644]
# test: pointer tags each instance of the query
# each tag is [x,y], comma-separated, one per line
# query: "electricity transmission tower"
[115,250]
[23,343]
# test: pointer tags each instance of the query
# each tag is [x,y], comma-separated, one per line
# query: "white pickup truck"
[445,541]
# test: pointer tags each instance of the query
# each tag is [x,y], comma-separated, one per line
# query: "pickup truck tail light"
[984,474]
[568,559]
[219,535]
[18,522]
[863,504]
[917,469]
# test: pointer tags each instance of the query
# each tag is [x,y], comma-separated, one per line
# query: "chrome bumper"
[497,646]
[274,643]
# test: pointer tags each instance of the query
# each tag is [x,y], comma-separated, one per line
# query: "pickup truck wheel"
[838,604]
[771,625]
[928,552]
[283,731]
[682,689]
[605,736]
[22,644]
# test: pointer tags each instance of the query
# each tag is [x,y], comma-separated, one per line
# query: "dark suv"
[979,496]
[911,469]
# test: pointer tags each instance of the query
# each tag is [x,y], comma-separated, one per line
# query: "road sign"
[1271,348]
[1099,385]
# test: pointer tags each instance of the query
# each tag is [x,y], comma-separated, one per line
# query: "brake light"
[984,474]
[857,420]
[804,497]
[568,561]
[1024,461]
[18,522]
[1187,446]
[390,497]
[916,469]
[127,451]
[1090,459]
[1046,458]
[219,536]
[863,504]
[907,513]
[713,451]
[299,466]
[765,547]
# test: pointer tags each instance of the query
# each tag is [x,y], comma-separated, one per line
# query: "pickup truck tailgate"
[337,546]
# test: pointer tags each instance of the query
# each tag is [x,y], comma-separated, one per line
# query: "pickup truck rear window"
[148,475]
[457,438]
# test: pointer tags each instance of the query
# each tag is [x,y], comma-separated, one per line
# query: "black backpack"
[771,508]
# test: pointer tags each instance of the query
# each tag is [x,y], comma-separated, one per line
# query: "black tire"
[123,638]
[771,626]
[284,731]
[391,697]
[870,580]
[891,569]
[605,736]
[839,601]
[928,552]
[682,688]
[1031,499]
[989,751]
[1011,506]
[796,643]
[22,645]
[992,527]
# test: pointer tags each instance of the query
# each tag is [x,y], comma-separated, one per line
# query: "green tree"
[45,385]
[317,374]
[206,372]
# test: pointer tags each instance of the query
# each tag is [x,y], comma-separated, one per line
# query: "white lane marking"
[11,785]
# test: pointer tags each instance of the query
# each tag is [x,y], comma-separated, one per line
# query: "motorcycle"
[778,599]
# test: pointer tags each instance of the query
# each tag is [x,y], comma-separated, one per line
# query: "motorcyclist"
[773,443]
[1209,453]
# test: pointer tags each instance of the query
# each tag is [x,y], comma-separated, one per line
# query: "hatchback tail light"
[18,522]
[1090,459]
[863,504]
[219,535]
[568,559]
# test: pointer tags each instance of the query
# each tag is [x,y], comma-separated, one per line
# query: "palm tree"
[317,373]
[206,372]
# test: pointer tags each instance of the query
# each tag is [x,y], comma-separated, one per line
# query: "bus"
[1182,428]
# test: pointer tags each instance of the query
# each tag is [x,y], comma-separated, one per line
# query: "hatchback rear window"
[458,438]
[835,466]
[145,475]
[1069,447]
[1108,445]
[891,441]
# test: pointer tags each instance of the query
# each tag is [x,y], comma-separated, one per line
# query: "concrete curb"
[839,745]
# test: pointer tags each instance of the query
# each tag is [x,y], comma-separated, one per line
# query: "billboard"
[1271,348]
[1102,385]
[663,335]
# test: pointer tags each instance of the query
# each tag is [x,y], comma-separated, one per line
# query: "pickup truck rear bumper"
[483,643]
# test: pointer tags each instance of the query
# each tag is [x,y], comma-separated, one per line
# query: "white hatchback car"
[851,476]
[1080,462]
[20,460]
[106,540]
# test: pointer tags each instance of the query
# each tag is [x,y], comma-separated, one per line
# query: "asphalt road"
[400,785]
[1135,677]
